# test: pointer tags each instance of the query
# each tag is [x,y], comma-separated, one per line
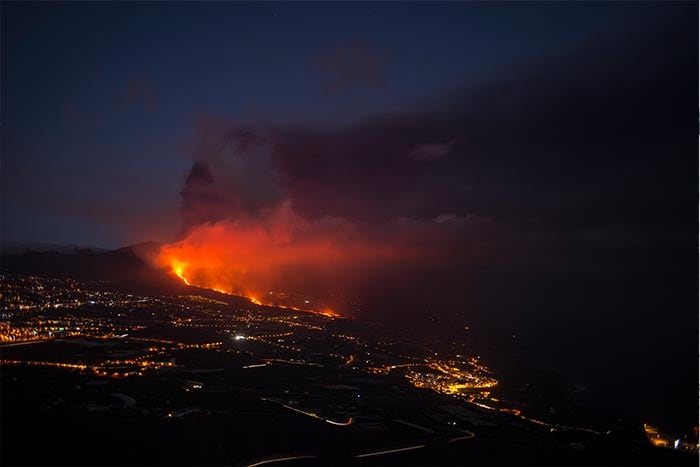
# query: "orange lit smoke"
[270,259]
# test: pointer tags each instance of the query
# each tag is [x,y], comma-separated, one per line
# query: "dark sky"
[100,101]
[540,158]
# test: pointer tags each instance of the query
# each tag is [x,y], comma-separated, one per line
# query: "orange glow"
[276,260]
[255,301]
[330,313]
[178,269]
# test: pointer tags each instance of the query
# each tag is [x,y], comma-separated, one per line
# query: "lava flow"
[258,260]
[276,258]
[180,270]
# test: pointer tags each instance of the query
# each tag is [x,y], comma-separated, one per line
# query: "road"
[279,459]
[390,451]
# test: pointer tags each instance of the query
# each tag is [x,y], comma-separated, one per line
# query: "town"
[169,359]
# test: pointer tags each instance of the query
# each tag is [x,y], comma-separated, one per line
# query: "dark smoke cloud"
[556,202]
[572,163]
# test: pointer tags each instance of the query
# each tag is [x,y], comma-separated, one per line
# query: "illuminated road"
[390,451]
[467,435]
[349,422]
[25,343]
[279,459]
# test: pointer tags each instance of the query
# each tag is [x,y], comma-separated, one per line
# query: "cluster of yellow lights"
[654,436]
[446,377]
[97,370]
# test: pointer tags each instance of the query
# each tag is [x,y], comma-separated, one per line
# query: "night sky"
[100,101]
[530,164]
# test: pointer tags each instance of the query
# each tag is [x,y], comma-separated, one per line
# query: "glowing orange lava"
[276,251]
[180,270]
[187,271]
[255,301]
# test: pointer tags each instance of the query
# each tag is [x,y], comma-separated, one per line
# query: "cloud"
[429,152]
[546,147]
[232,174]
[519,174]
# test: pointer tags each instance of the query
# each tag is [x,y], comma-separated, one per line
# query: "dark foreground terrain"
[53,417]
[95,372]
